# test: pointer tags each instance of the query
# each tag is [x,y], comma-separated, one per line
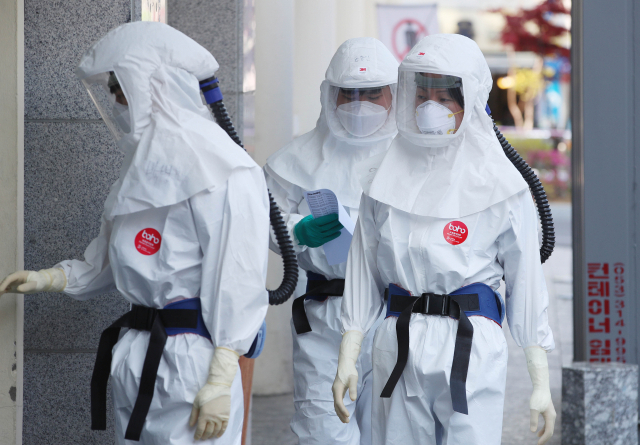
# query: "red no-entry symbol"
[406,33]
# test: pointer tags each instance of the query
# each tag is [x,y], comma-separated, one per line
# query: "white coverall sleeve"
[363,290]
[287,196]
[93,276]
[233,232]
[527,299]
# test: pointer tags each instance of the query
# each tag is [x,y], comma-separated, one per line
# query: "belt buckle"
[446,301]
[426,297]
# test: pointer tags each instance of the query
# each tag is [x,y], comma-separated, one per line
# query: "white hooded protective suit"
[424,183]
[327,157]
[190,190]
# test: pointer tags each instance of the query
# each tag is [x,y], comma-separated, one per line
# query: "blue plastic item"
[258,344]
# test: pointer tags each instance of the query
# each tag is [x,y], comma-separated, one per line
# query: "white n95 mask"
[122,117]
[362,118]
[435,118]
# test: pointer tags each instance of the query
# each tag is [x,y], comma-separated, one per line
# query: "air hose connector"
[210,90]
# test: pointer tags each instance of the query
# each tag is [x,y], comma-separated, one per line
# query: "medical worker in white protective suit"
[443,217]
[185,227]
[357,121]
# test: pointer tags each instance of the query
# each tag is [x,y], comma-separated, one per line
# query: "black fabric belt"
[143,319]
[316,289]
[444,305]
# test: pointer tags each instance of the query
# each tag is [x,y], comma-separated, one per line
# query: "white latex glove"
[212,406]
[347,375]
[540,402]
[30,282]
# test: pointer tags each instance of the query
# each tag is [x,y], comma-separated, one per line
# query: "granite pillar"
[600,404]
[216,25]
[70,162]
[273,130]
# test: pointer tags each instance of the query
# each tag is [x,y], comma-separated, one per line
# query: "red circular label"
[455,232]
[148,241]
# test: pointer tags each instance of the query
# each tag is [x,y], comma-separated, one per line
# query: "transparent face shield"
[361,111]
[430,104]
[110,100]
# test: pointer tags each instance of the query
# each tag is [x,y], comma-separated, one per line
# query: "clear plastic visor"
[361,111]
[111,102]
[380,96]
[430,103]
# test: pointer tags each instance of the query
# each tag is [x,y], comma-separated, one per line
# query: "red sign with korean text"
[605,312]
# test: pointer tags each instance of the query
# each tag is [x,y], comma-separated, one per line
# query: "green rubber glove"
[316,232]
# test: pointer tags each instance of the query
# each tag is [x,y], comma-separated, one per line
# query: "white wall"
[11,214]
[294,45]
[314,46]
[351,21]
[273,130]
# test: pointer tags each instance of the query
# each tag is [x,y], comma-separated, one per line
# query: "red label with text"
[606,312]
[148,241]
[455,232]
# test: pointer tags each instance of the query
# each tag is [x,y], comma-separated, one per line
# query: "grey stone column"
[70,162]
[600,404]
[216,25]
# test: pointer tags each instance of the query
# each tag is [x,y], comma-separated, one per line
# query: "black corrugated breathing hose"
[213,97]
[539,195]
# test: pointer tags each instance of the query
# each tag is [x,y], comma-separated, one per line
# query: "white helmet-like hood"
[451,175]
[174,149]
[326,157]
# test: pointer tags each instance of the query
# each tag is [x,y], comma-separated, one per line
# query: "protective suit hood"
[362,62]
[443,176]
[326,157]
[174,149]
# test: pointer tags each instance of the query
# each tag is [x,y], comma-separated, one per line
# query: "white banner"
[153,11]
[401,27]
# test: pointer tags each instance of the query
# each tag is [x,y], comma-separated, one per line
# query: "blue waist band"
[489,301]
[192,304]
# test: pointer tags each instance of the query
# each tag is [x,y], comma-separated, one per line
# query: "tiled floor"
[270,420]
